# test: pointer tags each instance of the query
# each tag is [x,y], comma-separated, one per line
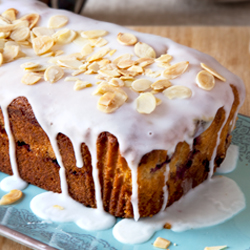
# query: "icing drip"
[165,189]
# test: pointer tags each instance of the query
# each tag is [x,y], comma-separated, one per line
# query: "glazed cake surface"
[126,163]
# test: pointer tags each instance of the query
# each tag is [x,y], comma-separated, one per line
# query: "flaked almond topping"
[29,65]
[144,50]
[158,101]
[99,42]
[71,79]
[31,18]
[216,248]
[116,82]
[4,35]
[161,243]
[126,39]
[94,33]
[39,68]
[175,70]
[87,49]
[112,52]
[104,87]
[99,54]
[81,85]
[80,41]
[1,59]
[10,14]
[58,21]
[140,85]
[42,44]
[153,74]
[84,66]
[109,72]
[58,52]
[30,79]
[213,72]
[94,66]
[205,80]
[128,73]
[164,58]
[10,198]
[163,65]
[48,54]
[111,101]
[128,83]
[137,69]
[125,64]
[53,73]
[146,103]
[20,34]
[70,63]
[161,84]
[10,52]
[58,207]
[43,31]
[78,72]
[177,91]
[124,57]
[103,62]
[143,62]
[64,36]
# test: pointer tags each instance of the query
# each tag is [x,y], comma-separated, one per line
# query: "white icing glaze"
[60,109]
[230,162]
[13,182]
[210,203]
[87,218]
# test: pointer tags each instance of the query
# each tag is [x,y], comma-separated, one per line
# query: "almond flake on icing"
[175,70]
[161,84]
[141,85]
[58,21]
[1,59]
[213,72]
[126,39]
[164,58]
[31,18]
[53,74]
[117,82]
[177,91]
[43,31]
[125,64]
[94,33]
[10,198]
[70,63]
[20,34]
[64,36]
[99,42]
[205,80]
[30,79]
[42,44]
[10,14]
[10,52]
[99,54]
[58,207]
[124,57]
[146,103]
[143,62]
[81,85]
[144,50]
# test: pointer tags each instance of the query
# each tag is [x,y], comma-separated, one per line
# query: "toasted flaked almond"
[109,72]
[10,43]
[144,50]
[177,91]
[4,35]
[111,101]
[137,69]
[10,52]
[64,36]
[90,72]
[58,21]
[20,34]
[94,33]
[99,54]
[126,39]
[127,73]
[29,65]
[42,44]
[140,85]
[31,18]
[145,103]
[70,63]
[25,43]
[112,52]
[116,82]
[110,66]
[39,68]
[53,74]
[80,41]
[10,14]
[20,24]
[163,65]
[58,52]
[30,79]
[125,64]
[94,66]
[1,59]
[103,78]
[78,72]
[124,57]
[84,66]
[58,207]
[158,101]
[161,243]
[164,58]
[6,27]
[205,80]
[175,70]
[10,198]
[103,62]
[43,31]
[99,42]
[105,87]
[48,54]
[143,62]
[81,85]
[87,49]
[216,248]
[2,43]
[161,84]
[128,83]
[71,79]
[213,72]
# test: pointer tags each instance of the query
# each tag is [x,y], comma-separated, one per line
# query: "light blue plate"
[235,233]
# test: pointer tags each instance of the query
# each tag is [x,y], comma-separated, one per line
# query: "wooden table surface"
[229,45]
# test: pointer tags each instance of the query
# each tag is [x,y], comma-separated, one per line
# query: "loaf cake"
[120,121]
